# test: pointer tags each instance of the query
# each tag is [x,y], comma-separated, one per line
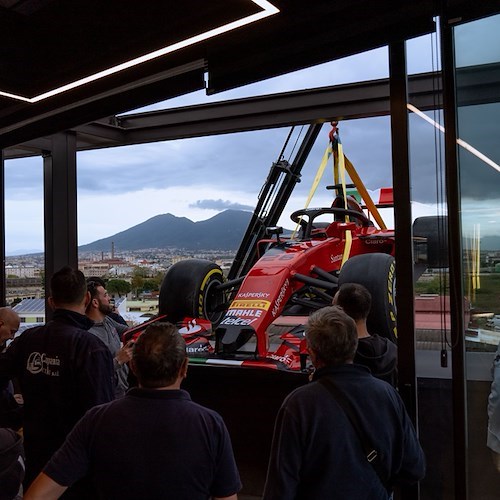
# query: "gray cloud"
[24,179]
[241,161]
[238,161]
[219,205]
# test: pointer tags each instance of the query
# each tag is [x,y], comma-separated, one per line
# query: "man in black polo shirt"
[63,370]
[152,443]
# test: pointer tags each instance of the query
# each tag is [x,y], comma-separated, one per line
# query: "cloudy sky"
[197,178]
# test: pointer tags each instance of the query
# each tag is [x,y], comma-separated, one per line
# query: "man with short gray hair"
[317,450]
[152,443]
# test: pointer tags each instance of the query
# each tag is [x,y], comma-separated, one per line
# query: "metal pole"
[60,207]
[455,261]
[403,229]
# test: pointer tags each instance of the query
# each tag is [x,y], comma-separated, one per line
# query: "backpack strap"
[372,455]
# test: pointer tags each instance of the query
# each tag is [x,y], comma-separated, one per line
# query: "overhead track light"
[267,10]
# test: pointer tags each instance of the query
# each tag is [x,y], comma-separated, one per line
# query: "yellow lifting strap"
[372,208]
[341,171]
[347,166]
[341,165]
[317,178]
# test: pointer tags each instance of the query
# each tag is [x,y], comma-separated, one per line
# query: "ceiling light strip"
[268,10]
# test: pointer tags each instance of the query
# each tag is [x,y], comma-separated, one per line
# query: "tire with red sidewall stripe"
[375,271]
[189,288]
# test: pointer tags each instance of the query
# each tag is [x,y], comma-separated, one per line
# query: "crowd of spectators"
[86,434]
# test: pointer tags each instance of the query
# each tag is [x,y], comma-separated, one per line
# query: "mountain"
[490,243]
[224,231]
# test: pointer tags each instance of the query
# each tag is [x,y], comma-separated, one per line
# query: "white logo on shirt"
[41,363]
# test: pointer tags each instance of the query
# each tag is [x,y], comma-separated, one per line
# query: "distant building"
[31,310]
[105,267]
[93,268]
[22,271]
[123,269]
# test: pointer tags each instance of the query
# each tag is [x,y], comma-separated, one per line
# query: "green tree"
[139,275]
[150,285]
[120,287]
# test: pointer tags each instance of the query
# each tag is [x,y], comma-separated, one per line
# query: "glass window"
[477,47]
[24,236]
[432,303]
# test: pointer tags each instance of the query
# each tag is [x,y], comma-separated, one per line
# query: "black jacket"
[63,371]
[380,355]
[316,453]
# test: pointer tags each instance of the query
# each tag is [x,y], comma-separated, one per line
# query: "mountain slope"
[224,231]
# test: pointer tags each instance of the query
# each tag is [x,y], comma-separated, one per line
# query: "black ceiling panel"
[48,43]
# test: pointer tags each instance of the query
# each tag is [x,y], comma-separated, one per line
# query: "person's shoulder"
[377,345]
[383,389]
[86,340]
[33,330]
[118,320]
[119,327]
[386,341]
[202,410]
[208,414]
[100,411]
[301,395]
[376,339]
[26,338]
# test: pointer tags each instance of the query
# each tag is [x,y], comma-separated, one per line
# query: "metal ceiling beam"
[346,102]
[105,131]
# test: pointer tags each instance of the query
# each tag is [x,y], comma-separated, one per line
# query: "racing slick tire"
[375,271]
[189,288]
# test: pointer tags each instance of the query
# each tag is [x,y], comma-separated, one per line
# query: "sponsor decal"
[190,328]
[279,300]
[255,313]
[286,359]
[252,295]
[237,321]
[41,363]
[199,348]
[375,241]
[335,258]
[250,304]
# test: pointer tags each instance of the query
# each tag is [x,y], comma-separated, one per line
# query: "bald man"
[9,324]
[11,413]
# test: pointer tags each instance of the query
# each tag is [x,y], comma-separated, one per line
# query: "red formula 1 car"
[259,318]
[256,316]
